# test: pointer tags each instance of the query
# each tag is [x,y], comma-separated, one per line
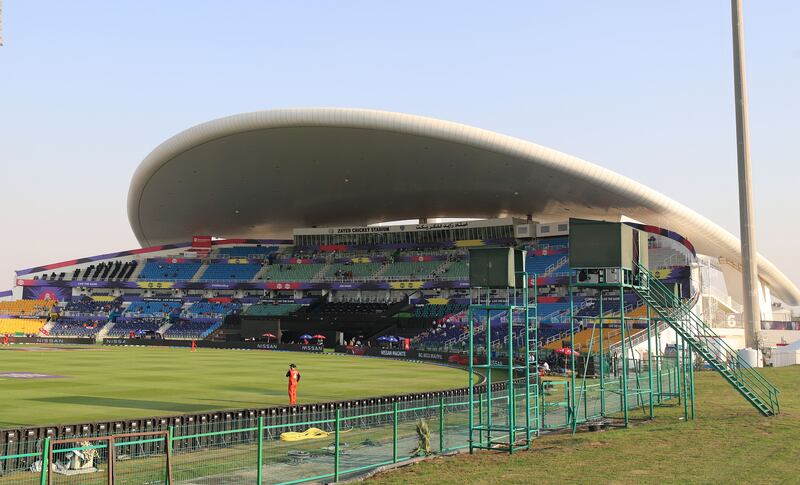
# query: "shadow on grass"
[262,391]
[112,402]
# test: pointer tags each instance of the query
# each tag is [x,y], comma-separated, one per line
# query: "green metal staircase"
[754,387]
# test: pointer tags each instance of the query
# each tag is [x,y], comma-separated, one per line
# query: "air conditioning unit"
[612,275]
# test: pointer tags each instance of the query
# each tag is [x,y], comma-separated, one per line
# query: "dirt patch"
[28,375]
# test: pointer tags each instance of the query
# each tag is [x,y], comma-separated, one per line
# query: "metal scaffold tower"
[503,346]
[617,371]
[635,349]
[613,258]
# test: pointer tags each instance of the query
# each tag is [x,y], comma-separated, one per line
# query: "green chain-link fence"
[347,440]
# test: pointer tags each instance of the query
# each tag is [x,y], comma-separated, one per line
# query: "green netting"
[554,404]
[289,461]
[456,423]
[21,468]
[91,455]
[140,460]
[366,446]
[227,455]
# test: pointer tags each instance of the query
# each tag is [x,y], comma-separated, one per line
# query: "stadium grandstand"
[410,279]
[332,230]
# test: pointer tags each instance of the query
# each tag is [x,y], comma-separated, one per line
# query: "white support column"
[751,314]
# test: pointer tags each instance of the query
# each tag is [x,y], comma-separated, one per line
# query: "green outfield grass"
[729,442]
[106,383]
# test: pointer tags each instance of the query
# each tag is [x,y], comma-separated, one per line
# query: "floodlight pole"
[752,313]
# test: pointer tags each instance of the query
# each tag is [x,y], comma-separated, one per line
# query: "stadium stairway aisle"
[104,331]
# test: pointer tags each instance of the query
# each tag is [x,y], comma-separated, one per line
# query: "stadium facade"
[316,181]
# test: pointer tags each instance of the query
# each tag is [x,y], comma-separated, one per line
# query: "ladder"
[754,387]
[533,360]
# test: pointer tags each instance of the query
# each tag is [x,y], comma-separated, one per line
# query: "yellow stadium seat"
[20,325]
[26,307]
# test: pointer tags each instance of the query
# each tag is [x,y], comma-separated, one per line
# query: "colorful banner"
[555,280]
[151,249]
[469,243]
[221,299]
[666,233]
[443,357]
[53,293]
[244,285]
[406,285]
[339,248]
[215,345]
[773,325]
[53,340]
[201,245]
[176,260]
[672,275]
[421,259]
[276,285]
[154,284]
[300,261]
[412,245]
[549,251]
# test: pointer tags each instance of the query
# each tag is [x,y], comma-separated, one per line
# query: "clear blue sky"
[88,88]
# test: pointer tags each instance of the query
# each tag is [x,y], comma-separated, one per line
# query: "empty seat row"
[208,309]
[164,271]
[291,272]
[21,325]
[26,307]
[153,307]
[352,270]
[409,269]
[272,309]
[228,271]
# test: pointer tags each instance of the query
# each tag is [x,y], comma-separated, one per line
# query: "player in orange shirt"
[294,378]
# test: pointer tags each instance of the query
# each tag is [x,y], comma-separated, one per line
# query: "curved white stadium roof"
[267,172]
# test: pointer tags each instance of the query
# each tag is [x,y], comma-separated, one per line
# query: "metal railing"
[711,346]
[342,441]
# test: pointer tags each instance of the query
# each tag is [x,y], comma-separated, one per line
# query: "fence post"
[394,433]
[168,471]
[259,471]
[691,380]
[441,424]
[336,447]
[111,459]
[45,461]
